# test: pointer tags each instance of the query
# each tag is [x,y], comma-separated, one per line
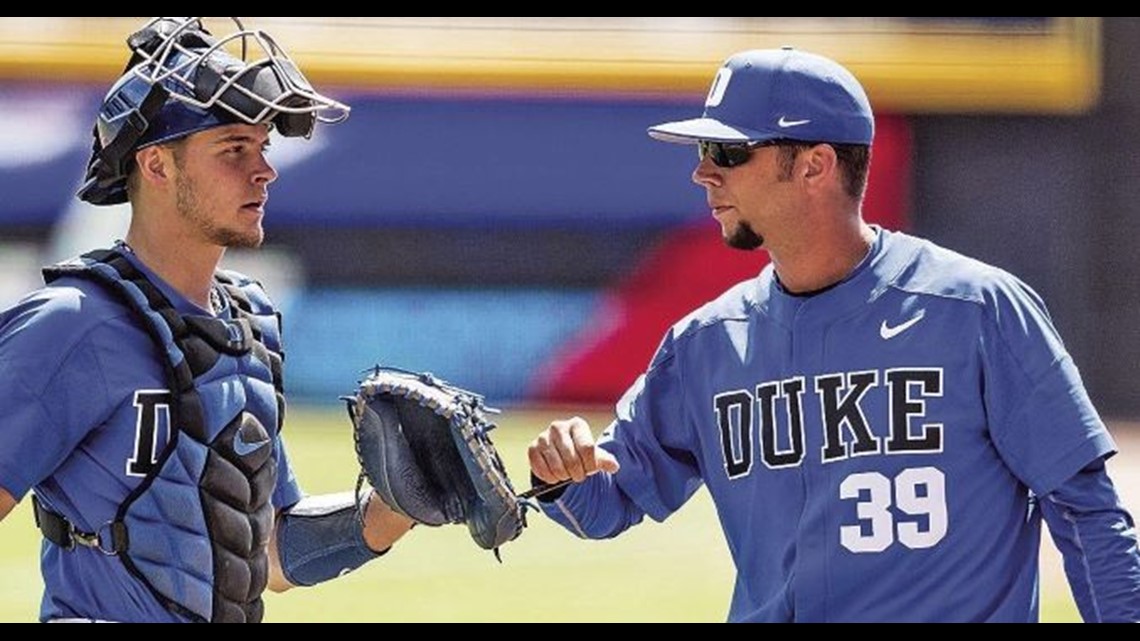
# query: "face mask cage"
[209,72]
[182,79]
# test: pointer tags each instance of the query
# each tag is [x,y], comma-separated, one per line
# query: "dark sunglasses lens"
[723,154]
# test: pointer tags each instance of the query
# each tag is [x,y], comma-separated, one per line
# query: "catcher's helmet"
[181,79]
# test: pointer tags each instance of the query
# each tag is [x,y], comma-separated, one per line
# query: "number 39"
[919,491]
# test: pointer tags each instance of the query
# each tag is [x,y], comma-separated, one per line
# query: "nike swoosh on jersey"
[245,448]
[887,332]
[784,122]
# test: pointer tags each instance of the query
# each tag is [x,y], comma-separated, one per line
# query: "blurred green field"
[673,572]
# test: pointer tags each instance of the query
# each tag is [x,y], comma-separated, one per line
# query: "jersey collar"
[867,281]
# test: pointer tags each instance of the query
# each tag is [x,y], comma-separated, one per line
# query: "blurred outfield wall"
[493,211]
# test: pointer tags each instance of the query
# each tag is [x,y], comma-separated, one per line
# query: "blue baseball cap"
[765,94]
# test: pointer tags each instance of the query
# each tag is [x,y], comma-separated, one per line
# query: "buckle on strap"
[110,538]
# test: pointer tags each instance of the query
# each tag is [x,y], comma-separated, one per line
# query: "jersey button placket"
[811,554]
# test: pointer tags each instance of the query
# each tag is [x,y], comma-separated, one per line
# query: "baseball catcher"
[423,445]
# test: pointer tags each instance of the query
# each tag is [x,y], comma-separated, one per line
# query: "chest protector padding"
[198,525]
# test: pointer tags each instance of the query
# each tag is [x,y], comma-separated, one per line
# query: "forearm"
[382,526]
[324,537]
[1097,538]
[593,509]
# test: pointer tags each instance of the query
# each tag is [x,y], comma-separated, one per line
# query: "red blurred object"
[686,269]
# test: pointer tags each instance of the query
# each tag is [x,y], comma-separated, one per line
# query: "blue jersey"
[874,451]
[76,373]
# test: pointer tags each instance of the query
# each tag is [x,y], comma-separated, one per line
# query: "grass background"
[678,571]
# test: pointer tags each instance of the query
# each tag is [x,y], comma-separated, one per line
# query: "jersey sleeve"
[1097,538]
[652,442]
[51,386]
[1041,418]
[288,490]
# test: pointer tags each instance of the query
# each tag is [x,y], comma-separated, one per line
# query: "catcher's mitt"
[423,446]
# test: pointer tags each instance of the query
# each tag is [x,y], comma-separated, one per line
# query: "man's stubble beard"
[190,207]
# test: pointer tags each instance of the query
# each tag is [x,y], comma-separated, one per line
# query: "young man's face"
[222,183]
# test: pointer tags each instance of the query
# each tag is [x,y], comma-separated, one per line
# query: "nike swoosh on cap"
[784,122]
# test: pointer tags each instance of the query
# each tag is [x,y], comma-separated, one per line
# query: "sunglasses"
[730,154]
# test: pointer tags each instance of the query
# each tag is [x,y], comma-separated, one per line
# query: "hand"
[566,451]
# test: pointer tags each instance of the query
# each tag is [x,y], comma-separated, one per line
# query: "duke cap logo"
[763,94]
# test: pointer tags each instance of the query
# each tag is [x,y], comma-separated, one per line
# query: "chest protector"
[196,529]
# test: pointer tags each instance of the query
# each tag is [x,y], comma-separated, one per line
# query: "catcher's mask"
[181,79]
